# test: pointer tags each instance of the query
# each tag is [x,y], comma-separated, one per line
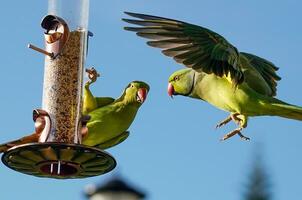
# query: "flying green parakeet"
[240,83]
[109,118]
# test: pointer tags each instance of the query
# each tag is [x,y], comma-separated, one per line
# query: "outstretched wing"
[266,69]
[196,47]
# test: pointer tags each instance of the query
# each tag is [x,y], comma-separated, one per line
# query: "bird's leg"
[224,122]
[89,102]
[232,116]
[236,118]
[242,122]
[231,134]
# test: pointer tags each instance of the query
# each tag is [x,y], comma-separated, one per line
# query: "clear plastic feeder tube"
[63,73]
[74,12]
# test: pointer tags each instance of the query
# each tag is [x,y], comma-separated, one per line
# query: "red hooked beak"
[141,95]
[171,90]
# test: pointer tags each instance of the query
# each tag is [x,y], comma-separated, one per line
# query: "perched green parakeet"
[109,118]
[237,82]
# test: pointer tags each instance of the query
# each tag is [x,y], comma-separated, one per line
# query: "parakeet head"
[136,92]
[181,82]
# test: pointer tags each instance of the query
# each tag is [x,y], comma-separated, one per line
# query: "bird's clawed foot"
[224,122]
[231,134]
[240,120]
[92,75]
[233,116]
[243,137]
[234,132]
[84,129]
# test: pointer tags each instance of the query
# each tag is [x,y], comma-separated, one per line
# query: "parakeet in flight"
[108,120]
[240,83]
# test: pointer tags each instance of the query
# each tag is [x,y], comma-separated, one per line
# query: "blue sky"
[174,151]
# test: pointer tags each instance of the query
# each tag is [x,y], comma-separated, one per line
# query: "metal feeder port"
[59,124]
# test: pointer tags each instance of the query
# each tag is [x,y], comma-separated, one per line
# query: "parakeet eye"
[176,78]
[132,85]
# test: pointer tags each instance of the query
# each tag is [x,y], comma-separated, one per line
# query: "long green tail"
[279,108]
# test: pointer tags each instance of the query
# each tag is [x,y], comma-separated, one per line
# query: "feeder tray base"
[58,160]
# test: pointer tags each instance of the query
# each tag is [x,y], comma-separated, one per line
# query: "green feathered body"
[109,122]
[221,93]
[241,83]
[110,118]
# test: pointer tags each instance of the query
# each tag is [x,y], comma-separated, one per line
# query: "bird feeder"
[60,125]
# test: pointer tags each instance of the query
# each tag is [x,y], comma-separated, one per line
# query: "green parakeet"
[109,118]
[240,83]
